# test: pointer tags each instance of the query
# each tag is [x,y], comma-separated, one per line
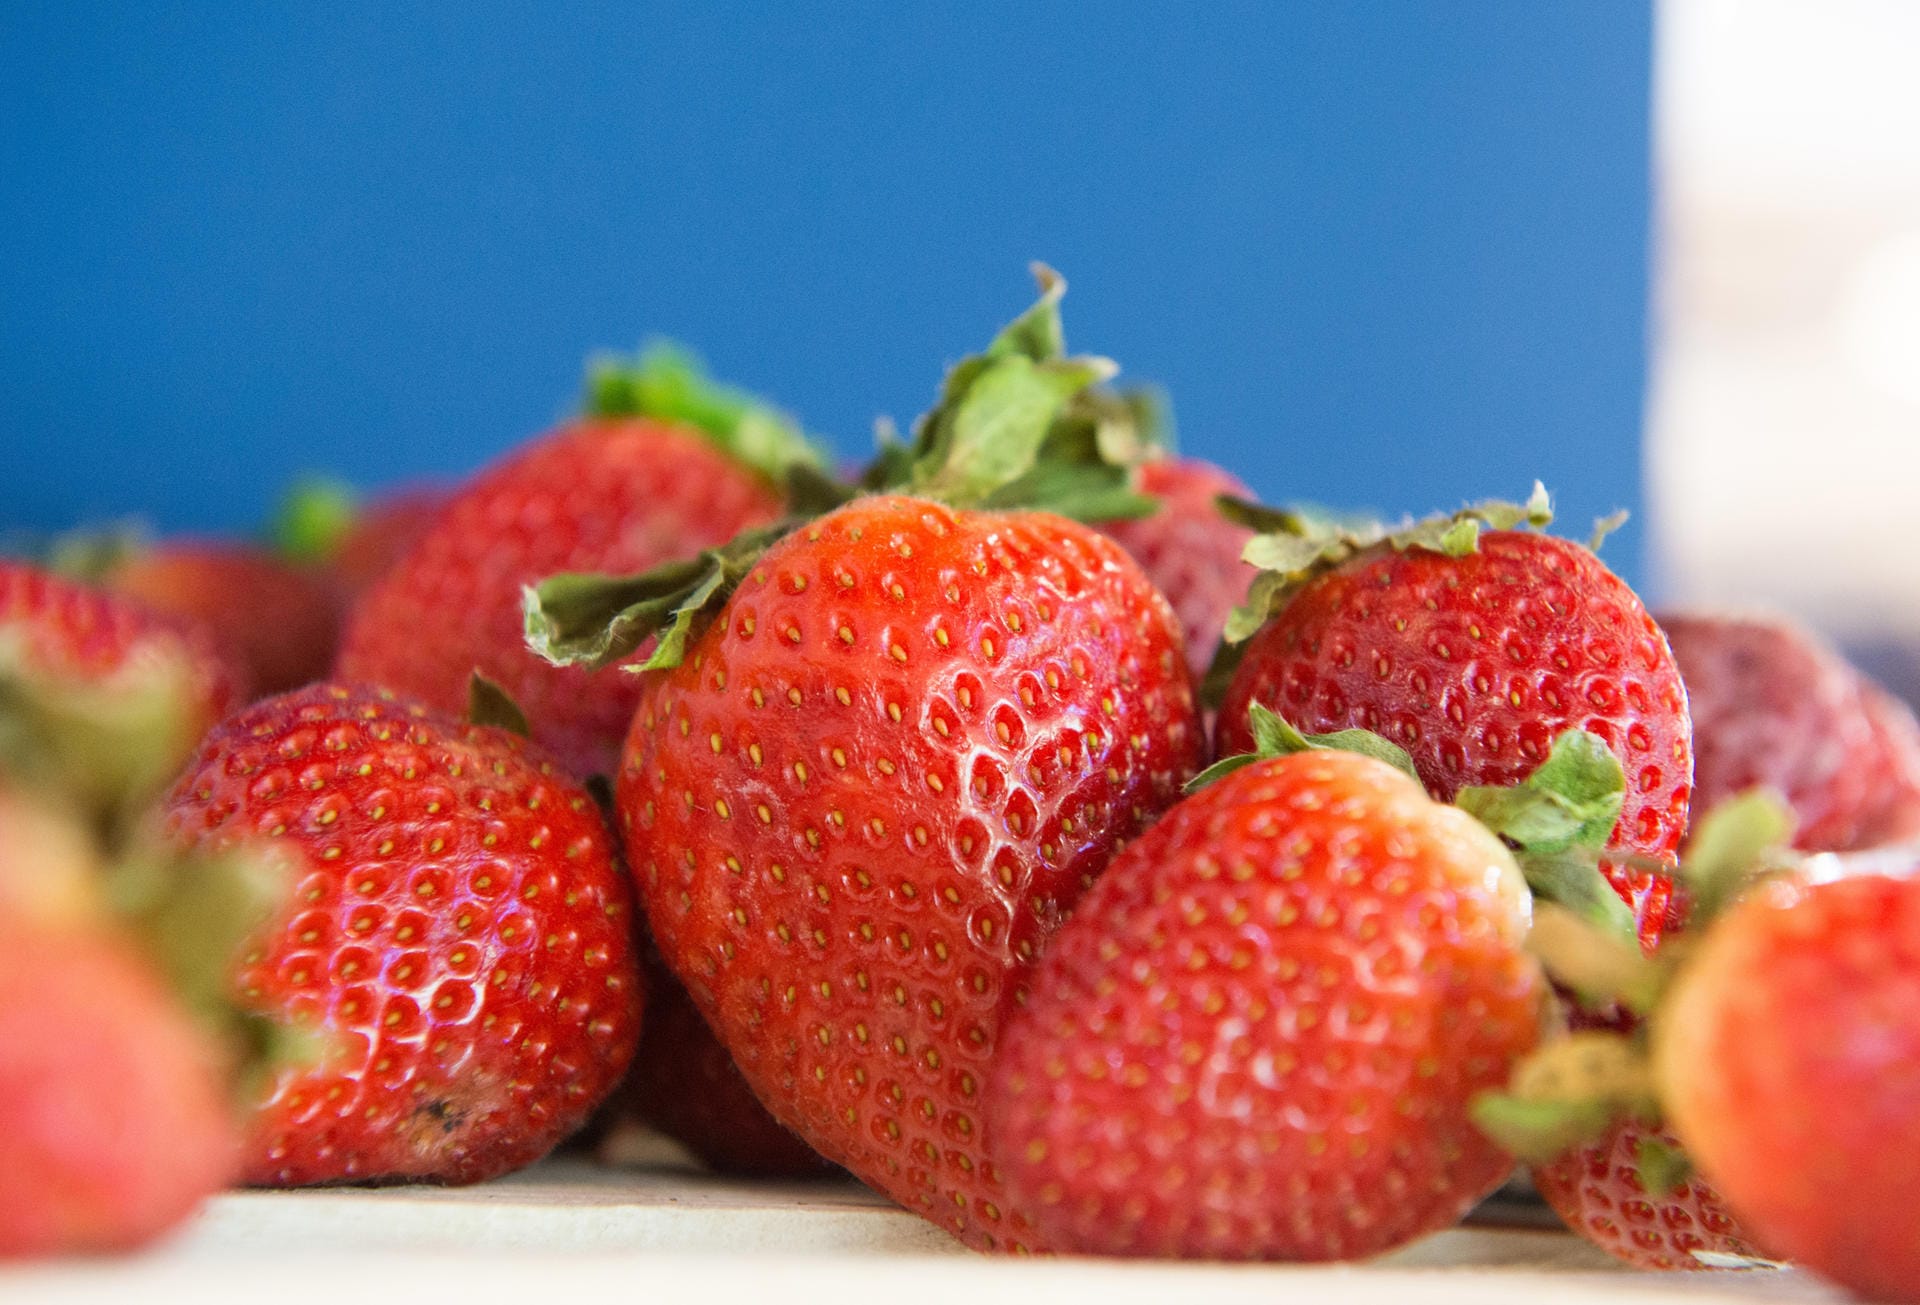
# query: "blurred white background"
[1784,424]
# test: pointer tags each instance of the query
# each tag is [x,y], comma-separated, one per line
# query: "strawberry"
[877,759]
[117,1123]
[459,938]
[609,491]
[1473,645]
[322,524]
[1788,1059]
[101,696]
[278,621]
[1258,1035]
[1189,549]
[1773,706]
[685,1085]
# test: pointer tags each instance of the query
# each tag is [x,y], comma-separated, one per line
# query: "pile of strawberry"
[655,774]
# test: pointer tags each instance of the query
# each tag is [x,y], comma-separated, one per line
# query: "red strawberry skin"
[116,1124]
[382,533]
[459,934]
[1259,1033]
[876,783]
[281,622]
[79,632]
[1190,550]
[1474,665]
[1788,1057]
[1600,1193]
[1773,706]
[596,495]
[686,1085]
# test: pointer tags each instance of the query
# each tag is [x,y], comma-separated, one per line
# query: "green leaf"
[1090,492]
[312,519]
[596,620]
[668,382]
[1601,967]
[993,431]
[1568,1093]
[1662,1168]
[1274,736]
[489,704]
[1572,799]
[1036,334]
[1737,842]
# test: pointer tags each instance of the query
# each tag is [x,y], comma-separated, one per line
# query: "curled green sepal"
[1274,736]
[666,381]
[595,620]
[1297,545]
[1739,841]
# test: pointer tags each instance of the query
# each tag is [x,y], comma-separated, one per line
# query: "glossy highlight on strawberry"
[876,783]
[459,937]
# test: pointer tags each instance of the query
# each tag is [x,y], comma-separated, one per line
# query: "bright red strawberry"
[103,695]
[279,621]
[116,1123]
[1788,1060]
[873,786]
[1190,550]
[685,1085]
[609,492]
[1259,1033]
[460,936]
[1474,651]
[1603,1193]
[1773,706]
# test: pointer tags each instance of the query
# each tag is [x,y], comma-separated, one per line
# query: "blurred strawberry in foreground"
[879,756]
[101,697]
[685,1085]
[114,1118]
[1258,1035]
[1189,549]
[1775,707]
[664,464]
[281,622]
[1473,645]
[459,940]
[1788,1059]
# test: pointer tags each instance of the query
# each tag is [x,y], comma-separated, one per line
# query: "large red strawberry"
[116,1120]
[1788,1059]
[1189,549]
[896,745]
[1473,648]
[1259,1034]
[684,1084]
[1775,707]
[634,484]
[281,622]
[460,938]
[102,697]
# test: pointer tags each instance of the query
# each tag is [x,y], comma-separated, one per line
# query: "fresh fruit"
[99,697]
[281,622]
[1775,707]
[322,523]
[1258,1034]
[459,939]
[684,1084]
[1604,1192]
[610,491]
[1788,1060]
[116,1122]
[878,759]
[1189,549]
[1473,645]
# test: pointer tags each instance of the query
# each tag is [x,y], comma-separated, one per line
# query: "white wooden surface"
[576,1232]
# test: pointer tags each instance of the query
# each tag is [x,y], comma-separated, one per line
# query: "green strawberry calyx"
[668,382]
[1020,425]
[492,706]
[312,519]
[1294,545]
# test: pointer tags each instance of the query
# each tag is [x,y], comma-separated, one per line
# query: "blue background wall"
[1385,254]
